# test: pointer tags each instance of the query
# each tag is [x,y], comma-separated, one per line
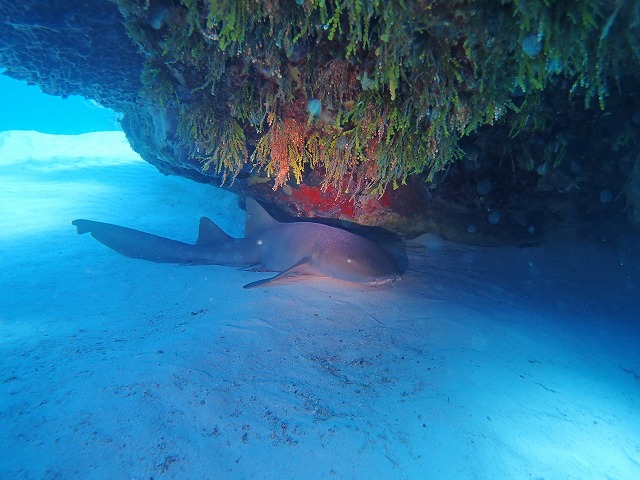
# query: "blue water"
[24,107]
[483,363]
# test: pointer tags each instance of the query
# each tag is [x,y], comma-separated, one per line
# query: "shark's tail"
[136,244]
[83,226]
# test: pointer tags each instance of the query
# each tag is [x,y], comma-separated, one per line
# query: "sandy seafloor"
[480,363]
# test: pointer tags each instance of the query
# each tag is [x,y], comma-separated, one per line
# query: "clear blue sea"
[479,363]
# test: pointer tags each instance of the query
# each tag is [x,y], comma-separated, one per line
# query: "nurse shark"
[293,249]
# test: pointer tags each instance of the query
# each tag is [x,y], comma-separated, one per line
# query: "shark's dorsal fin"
[257,218]
[300,268]
[210,234]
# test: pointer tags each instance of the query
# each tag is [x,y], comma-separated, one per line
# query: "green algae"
[399,83]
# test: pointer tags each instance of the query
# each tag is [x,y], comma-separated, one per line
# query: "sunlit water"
[478,363]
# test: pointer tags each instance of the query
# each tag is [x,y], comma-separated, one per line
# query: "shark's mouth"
[383,281]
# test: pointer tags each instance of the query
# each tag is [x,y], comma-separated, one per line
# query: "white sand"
[479,363]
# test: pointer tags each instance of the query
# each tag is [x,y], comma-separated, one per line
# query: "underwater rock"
[71,48]
[415,129]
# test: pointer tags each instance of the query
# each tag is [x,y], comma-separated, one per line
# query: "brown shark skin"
[293,249]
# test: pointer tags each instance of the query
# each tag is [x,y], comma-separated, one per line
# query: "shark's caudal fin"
[210,234]
[258,220]
[136,244]
[82,226]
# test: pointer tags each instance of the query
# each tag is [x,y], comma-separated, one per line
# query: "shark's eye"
[259,242]
[348,260]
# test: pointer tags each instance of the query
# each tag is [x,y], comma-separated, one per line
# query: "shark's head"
[370,271]
[357,260]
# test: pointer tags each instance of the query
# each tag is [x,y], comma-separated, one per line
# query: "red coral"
[287,143]
[329,202]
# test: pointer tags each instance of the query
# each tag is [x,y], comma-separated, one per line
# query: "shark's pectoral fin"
[256,268]
[300,268]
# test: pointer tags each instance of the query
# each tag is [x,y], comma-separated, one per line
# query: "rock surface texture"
[484,124]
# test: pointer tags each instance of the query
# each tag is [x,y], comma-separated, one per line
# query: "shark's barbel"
[298,248]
